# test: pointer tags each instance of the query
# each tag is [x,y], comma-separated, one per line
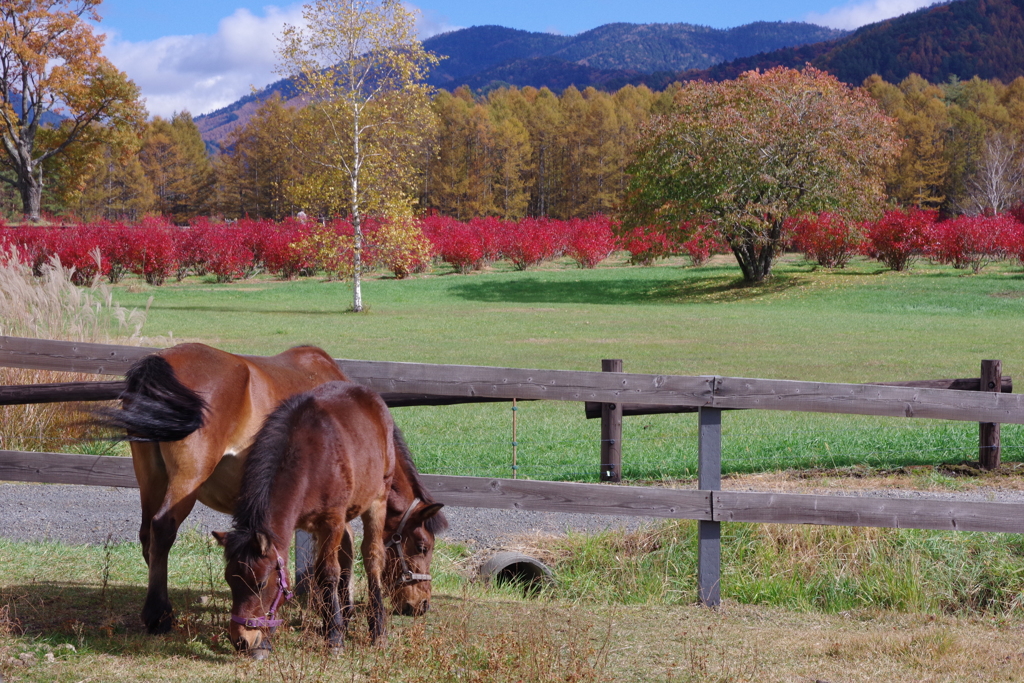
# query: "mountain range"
[608,56]
[961,39]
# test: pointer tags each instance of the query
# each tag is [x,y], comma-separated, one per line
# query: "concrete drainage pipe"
[516,568]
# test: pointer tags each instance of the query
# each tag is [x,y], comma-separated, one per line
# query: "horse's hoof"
[160,626]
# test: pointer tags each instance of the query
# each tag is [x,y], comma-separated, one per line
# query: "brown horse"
[191,412]
[321,459]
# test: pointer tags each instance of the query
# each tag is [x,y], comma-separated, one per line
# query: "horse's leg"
[156,530]
[328,577]
[373,561]
[152,478]
[185,473]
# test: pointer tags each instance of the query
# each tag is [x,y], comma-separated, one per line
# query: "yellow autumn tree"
[361,68]
[56,90]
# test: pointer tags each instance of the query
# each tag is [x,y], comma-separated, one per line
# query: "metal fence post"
[709,478]
[304,556]
[611,431]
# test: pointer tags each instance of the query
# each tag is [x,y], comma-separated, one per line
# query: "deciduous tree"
[56,89]
[362,69]
[746,154]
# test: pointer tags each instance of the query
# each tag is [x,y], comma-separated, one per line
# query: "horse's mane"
[438,522]
[261,468]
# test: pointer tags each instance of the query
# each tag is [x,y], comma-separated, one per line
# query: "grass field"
[860,324]
[801,603]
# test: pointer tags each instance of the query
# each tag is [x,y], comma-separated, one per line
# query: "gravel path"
[89,514]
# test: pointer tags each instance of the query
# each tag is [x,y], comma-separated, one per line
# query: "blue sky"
[199,55]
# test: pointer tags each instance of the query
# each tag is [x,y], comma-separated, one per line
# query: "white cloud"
[854,15]
[201,73]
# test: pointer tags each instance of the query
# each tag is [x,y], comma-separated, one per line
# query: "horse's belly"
[220,491]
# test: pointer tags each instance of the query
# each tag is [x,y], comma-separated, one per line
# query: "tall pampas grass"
[51,306]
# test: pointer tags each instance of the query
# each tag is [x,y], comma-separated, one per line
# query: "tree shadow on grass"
[625,290]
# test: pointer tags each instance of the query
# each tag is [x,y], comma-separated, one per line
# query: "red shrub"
[898,237]
[458,244]
[703,243]
[280,252]
[115,241]
[971,241]
[645,244]
[532,241]
[590,241]
[1012,237]
[79,247]
[153,253]
[194,248]
[227,257]
[828,238]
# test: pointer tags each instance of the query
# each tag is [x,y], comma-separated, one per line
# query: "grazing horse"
[191,412]
[321,459]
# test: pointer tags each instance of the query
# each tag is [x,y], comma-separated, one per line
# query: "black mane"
[438,522]
[261,468]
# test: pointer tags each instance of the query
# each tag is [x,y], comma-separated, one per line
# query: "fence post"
[709,478]
[989,450]
[611,431]
[304,557]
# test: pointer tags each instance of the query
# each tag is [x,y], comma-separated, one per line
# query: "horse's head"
[409,539]
[258,578]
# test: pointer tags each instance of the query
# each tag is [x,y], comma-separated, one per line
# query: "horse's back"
[240,392]
[354,433]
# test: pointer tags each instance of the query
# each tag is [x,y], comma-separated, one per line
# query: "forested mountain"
[965,38]
[475,54]
[606,57]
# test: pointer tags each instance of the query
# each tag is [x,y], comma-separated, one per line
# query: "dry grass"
[51,306]
[481,639]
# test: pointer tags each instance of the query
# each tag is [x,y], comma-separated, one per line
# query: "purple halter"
[283,594]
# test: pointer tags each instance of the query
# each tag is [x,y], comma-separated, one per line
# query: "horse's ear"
[430,510]
[221,537]
[262,542]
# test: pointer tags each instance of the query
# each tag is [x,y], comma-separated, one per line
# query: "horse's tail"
[155,405]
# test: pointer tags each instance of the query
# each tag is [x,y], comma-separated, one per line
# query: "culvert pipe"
[516,568]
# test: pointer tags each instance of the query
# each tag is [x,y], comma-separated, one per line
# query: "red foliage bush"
[703,243]
[971,241]
[153,252]
[459,244]
[898,237]
[590,240]
[827,238]
[279,249]
[80,247]
[532,241]
[645,243]
[227,255]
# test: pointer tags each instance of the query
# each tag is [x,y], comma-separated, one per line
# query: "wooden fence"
[422,384]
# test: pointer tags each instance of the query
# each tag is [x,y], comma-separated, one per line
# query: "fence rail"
[472,383]
[602,499]
[422,384]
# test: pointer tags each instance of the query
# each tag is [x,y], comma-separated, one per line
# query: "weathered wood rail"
[418,384]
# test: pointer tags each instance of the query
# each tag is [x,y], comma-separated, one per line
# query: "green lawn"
[860,324]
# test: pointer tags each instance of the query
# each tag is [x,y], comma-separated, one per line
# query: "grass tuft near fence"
[51,306]
[801,567]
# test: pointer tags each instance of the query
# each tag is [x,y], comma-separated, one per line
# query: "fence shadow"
[625,290]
